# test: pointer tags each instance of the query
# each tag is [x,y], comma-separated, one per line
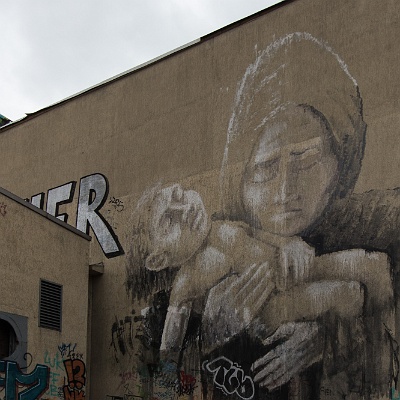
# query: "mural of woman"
[294,148]
[288,295]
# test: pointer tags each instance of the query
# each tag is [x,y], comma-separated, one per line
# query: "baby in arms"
[177,232]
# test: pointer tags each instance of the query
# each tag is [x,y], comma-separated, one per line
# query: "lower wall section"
[61,374]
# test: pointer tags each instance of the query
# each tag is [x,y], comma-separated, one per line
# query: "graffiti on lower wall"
[23,386]
[230,378]
[162,381]
[67,373]
[76,379]
[62,375]
[93,194]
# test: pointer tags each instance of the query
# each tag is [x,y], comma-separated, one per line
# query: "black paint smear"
[142,283]
[369,220]
[153,322]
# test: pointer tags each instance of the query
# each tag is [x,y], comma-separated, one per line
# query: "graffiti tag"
[36,382]
[76,377]
[230,378]
[117,203]
[66,349]
[53,362]
[187,384]
[122,336]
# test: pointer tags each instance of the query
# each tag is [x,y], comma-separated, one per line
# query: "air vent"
[50,305]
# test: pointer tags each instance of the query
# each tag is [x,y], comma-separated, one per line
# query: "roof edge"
[43,213]
[146,64]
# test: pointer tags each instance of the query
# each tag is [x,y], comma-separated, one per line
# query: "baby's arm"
[193,280]
[199,274]
[309,301]
[229,250]
[174,331]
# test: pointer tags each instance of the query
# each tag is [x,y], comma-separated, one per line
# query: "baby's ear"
[157,262]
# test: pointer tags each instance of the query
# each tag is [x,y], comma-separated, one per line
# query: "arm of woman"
[300,344]
[372,269]
[310,301]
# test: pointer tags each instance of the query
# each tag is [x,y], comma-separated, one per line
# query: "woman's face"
[291,175]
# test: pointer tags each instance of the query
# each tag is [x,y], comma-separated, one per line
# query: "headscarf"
[296,69]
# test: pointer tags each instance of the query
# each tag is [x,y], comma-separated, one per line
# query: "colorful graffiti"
[23,386]
[67,376]
[93,193]
[169,381]
[76,378]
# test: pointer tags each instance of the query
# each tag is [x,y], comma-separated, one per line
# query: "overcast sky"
[52,49]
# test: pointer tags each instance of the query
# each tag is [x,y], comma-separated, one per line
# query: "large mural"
[289,289]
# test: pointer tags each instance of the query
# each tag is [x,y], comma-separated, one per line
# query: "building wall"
[35,248]
[198,119]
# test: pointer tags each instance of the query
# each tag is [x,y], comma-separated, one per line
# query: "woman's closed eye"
[304,160]
[266,171]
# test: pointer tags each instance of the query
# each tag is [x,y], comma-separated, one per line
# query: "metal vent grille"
[50,305]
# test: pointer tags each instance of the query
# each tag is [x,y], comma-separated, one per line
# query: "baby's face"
[179,224]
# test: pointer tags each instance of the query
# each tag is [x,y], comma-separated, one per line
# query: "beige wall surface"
[33,248]
[242,194]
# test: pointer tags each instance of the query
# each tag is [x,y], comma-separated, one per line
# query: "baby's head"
[173,224]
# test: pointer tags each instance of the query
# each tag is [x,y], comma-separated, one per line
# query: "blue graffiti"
[14,379]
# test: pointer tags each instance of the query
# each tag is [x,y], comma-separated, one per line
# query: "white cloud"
[55,48]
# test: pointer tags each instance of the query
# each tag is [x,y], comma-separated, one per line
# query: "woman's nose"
[286,184]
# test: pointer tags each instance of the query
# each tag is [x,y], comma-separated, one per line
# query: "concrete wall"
[34,248]
[249,182]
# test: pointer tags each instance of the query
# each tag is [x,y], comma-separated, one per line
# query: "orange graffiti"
[75,373]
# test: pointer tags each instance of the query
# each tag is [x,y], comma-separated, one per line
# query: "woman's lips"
[287,214]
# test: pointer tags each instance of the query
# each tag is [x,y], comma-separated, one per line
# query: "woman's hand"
[234,302]
[302,347]
[296,260]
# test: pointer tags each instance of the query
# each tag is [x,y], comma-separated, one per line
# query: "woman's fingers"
[296,258]
[283,332]
[258,288]
[247,281]
[270,357]
[282,373]
[302,349]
